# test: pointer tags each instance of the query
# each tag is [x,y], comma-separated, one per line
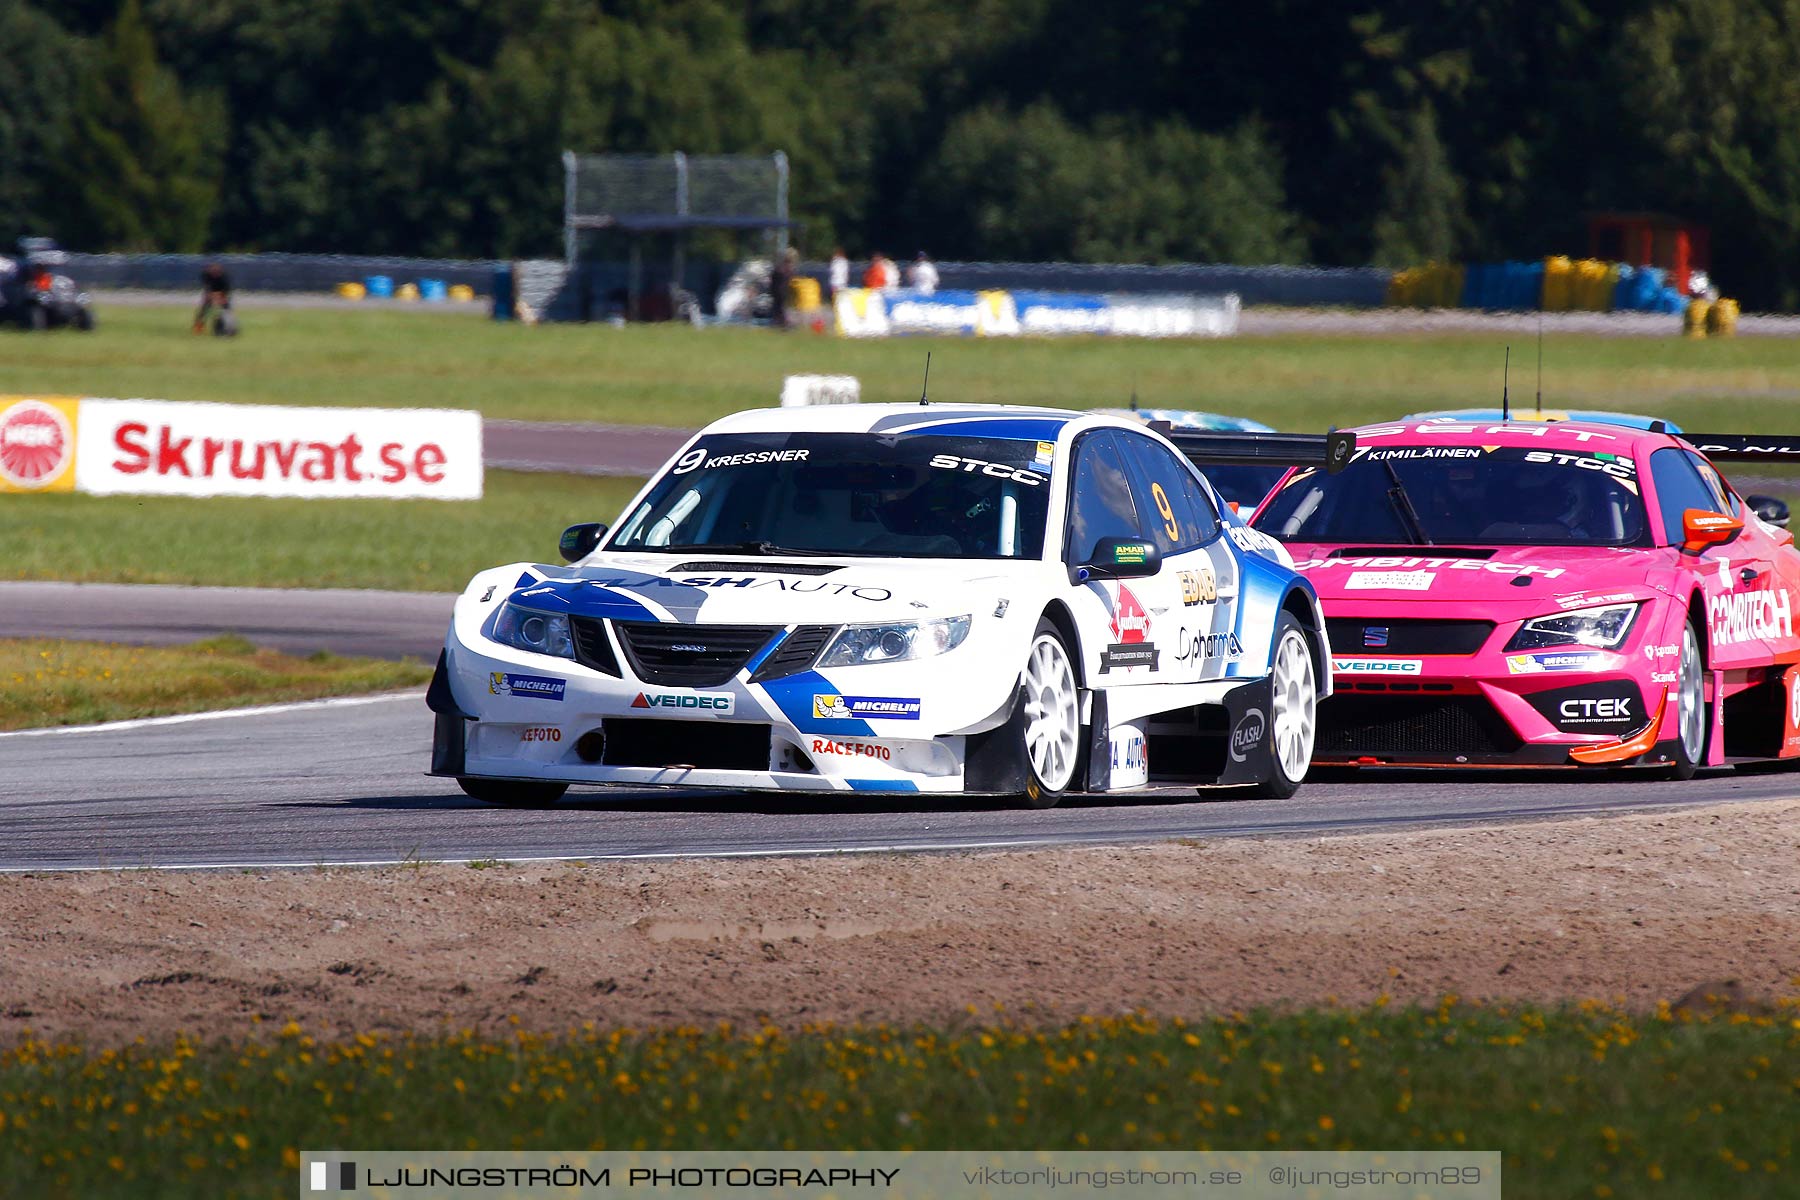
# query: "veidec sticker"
[536,687]
[830,707]
[716,702]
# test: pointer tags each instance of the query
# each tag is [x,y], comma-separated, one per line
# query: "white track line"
[261,710]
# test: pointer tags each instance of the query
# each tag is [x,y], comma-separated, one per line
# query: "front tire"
[510,793]
[1690,711]
[1294,711]
[1051,705]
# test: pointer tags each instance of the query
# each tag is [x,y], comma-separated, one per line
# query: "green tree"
[1718,90]
[38,63]
[139,167]
[1424,219]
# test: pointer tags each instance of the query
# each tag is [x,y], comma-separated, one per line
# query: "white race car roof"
[974,420]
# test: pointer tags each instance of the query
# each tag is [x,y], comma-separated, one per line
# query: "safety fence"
[1555,284]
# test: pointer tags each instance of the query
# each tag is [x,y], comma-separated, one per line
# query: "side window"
[1100,504]
[1715,483]
[1176,513]
[1679,487]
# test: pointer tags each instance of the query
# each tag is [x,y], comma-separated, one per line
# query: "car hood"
[1558,575]
[705,590]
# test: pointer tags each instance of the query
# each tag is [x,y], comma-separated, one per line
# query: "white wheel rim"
[1052,726]
[1296,705]
[1692,698]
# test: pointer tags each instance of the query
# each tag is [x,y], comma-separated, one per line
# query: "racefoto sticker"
[1396,581]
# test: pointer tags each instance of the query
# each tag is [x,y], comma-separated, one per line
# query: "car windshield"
[1244,485]
[900,495]
[1464,495]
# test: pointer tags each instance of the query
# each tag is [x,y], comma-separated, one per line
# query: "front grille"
[714,746]
[690,655]
[1406,635]
[796,652]
[591,647]
[1447,725]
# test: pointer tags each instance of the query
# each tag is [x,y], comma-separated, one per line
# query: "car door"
[1735,576]
[1118,626]
[1199,582]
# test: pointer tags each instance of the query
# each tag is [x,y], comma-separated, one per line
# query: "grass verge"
[675,375]
[405,545]
[45,683]
[1584,1102]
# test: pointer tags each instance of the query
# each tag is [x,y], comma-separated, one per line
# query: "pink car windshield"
[1464,495]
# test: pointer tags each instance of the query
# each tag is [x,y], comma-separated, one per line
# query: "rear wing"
[1329,450]
[1745,447]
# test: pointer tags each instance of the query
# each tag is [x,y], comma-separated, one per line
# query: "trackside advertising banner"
[165,448]
[861,312]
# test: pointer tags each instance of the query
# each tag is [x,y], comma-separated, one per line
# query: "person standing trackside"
[781,283]
[215,292]
[839,277]
[921,275]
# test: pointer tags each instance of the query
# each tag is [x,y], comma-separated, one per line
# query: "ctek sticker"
[715,702]
[1533,664]
[537,687]
[1377,666]
[1398,581]
[827,706]
[1608,706]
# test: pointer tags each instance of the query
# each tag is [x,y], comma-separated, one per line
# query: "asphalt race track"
[344,782]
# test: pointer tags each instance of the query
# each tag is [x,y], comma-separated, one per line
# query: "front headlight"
[1604,627]
[538,632]
[857,645]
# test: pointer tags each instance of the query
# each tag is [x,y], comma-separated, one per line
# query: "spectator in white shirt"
[839,278]
[921,275]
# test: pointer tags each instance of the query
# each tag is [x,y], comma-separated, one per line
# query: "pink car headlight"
[1604,627]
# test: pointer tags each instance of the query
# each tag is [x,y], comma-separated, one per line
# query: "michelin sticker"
[1533,664]
[536,687]
[830,707]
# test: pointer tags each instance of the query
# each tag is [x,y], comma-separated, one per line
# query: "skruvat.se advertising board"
[168,448]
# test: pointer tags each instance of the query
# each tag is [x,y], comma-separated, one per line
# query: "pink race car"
[1547,594]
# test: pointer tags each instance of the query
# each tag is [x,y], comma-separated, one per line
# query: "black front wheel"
[511,793]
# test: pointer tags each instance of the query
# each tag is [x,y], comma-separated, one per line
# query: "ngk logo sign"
[37,445]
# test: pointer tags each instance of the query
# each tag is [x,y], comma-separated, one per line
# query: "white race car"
[897,599]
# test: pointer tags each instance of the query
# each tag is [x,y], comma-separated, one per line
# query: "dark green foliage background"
[1193,130]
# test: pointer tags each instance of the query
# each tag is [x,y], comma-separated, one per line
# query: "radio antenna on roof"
[1505,371]
[1540,379]
[1134,391]
[926,386]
